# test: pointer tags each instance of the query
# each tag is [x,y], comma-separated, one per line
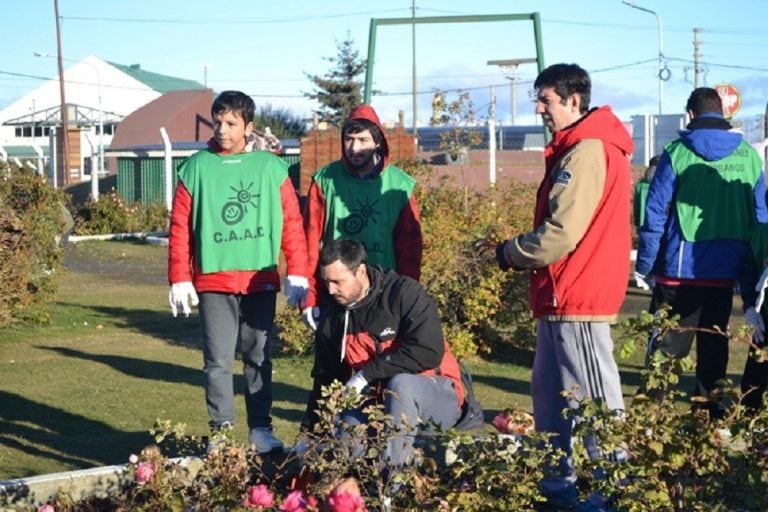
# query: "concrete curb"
[100,482]
[154,238]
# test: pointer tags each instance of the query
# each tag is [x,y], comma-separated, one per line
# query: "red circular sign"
[731,98]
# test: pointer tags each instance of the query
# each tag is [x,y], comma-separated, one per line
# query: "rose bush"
[678,458]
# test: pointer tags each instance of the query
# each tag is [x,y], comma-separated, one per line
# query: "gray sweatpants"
[411,398]
[569,354]
[230,323]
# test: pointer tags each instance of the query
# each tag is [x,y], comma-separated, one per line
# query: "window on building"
[109,129]
[17,131]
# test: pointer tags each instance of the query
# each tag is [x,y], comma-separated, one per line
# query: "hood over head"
[708,136]
[599,123]
[367,113]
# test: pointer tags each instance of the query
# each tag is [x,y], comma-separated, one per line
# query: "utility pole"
[492,139]
[696,57]
[413,71]
[663,70]
[64,119]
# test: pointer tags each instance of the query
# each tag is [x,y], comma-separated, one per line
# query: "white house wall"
[120,94]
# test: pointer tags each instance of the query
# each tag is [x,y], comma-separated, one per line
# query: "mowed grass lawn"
[85,390]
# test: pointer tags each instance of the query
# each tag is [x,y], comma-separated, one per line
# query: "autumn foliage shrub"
[111,214]
[481,307]
[32,220]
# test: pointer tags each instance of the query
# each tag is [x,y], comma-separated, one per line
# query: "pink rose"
[258,496]
[133,458]
[346,502]
[501,422]
[46,508]
[510,422]
[294,502]
[144,472]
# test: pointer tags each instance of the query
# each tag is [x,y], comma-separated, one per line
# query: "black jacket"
[394,329]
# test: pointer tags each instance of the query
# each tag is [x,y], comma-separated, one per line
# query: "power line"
[718,65]
[228,21]
[622,66]
[77,82]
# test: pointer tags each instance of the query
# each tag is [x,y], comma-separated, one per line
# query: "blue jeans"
[230,323]
[409,399]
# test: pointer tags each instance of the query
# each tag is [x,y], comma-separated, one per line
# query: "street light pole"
[663,71]
[509,66]
[100,165]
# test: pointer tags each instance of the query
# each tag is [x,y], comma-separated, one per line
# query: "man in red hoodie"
[578,258]
[233,212]
[362,197]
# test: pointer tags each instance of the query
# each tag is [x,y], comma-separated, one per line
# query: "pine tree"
[339,91]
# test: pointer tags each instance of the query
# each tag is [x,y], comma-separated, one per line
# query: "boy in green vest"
[233,212]
[362,197]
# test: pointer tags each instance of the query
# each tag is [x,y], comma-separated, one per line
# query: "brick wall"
[321,147]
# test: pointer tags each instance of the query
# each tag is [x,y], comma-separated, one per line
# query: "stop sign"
[731,98]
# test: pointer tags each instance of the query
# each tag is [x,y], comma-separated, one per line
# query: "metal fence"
[141,179]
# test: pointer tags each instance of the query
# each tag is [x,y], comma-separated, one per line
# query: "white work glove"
[357,382]
[310,316]
[643,282]
[754,320]
[762,284]
[180,296]
[296,288]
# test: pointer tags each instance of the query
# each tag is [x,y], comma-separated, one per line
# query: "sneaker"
[563,500]
[301,445]
[264,440]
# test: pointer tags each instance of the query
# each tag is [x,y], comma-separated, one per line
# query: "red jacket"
[181,260]
[588,281]
[406,236]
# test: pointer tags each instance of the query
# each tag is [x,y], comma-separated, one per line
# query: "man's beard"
[364,163]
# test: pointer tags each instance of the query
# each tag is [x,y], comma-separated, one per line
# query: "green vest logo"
[358,218]
[235,209]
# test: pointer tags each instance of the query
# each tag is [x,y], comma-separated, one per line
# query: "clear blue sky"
[265,48]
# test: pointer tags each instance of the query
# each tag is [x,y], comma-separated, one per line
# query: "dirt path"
[135,262]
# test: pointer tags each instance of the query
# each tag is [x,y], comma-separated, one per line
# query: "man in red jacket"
[363,197]
[234,210]
[578,258]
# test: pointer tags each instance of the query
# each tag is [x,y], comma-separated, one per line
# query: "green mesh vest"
[237,214]
[364,210]
[714,198]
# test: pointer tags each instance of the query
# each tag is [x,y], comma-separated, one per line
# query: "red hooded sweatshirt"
[578,252]
[403,235]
